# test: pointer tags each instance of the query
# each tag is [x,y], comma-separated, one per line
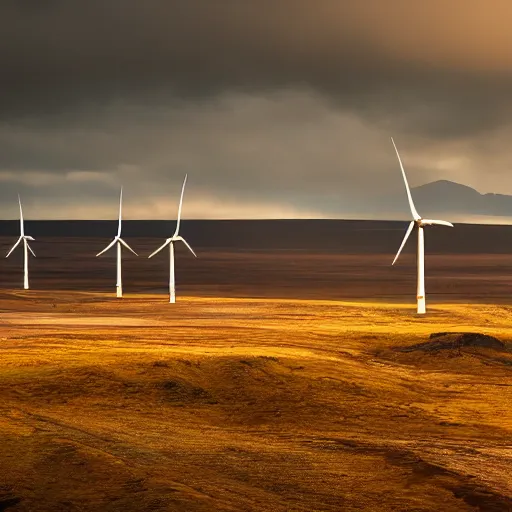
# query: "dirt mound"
[465,352]
[455,340]
[183,392]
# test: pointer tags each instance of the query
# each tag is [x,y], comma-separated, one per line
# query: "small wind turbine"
[26,247]
[420,224]
[170,242]
[118,241]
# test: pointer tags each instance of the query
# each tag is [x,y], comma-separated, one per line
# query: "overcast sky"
[275,108]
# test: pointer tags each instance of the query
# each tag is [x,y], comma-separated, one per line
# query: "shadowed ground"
[70,264]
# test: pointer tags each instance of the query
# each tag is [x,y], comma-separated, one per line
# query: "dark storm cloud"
[370,56]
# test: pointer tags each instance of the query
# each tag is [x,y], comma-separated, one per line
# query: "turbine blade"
[407,233]
[22,227]
[14,246]
[127,246]
[30,249]
[415,214]
[167,242]
[437,222]
[120,212]
[179,208]
[108,247]
[188,246]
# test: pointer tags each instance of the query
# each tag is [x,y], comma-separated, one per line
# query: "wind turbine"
[118,241]
[23,238]
[170,242]
[420,224]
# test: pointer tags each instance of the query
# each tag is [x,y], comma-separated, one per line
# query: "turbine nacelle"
[116,240]
[420,224]
[172,240]
[22,238]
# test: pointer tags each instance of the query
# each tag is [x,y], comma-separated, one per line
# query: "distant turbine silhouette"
[25,239]
[119,242]
[420,224]
[170,242]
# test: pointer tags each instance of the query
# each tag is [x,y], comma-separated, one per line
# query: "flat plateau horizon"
[478,220]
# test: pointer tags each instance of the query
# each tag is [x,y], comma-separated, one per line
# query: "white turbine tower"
[420,224]
[25,239]
[170,242]
[118,241]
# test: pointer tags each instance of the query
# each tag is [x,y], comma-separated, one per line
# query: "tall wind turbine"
[170,242]
[420,224]
[118,241]
[25,239]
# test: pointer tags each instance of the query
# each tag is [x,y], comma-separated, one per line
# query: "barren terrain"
[250,393]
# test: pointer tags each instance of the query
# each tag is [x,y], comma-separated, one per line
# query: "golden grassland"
[243,404]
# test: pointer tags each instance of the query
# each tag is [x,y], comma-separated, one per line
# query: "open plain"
[277,382]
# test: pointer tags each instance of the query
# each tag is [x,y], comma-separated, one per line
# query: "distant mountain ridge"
[451,197]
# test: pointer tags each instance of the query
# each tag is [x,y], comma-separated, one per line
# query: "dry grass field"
[249,405]
[275,383]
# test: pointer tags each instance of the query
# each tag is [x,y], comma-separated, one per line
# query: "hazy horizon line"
[505,220]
